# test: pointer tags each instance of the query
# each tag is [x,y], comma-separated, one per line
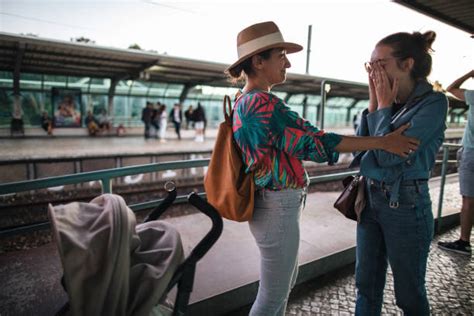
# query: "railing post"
[106,185]
[441,187]
[325,87]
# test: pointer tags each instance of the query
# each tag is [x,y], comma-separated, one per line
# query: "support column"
[17,110]
[184,92]
[111,94]
[16,71]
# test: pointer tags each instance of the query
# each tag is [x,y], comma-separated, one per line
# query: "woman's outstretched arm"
[394,142]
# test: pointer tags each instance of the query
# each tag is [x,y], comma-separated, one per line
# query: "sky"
[344,33]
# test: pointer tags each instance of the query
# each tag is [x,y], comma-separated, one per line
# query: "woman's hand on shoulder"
[399,144]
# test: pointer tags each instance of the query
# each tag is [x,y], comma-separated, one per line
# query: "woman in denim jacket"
[396,226]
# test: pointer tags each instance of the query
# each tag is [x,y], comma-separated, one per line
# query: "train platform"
[227,277]
[29,148]
[60,146]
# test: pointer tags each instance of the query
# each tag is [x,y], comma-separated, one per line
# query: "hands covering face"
[382,93]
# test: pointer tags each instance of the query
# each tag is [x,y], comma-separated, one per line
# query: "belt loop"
[394,194]
[383,188]
[417,184]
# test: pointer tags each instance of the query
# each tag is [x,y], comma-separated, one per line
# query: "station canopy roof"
[457,13]
[45,56]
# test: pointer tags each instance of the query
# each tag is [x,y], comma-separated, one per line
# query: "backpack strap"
[227,109]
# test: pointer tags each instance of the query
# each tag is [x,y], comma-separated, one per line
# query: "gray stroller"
[114,267]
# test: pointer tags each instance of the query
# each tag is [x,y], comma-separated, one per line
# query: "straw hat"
[258,38]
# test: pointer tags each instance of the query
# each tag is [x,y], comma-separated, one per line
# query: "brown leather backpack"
[229,189]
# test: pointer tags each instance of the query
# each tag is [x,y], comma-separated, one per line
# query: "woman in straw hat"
[274,141]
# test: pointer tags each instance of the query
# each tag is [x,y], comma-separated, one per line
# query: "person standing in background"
[199,118]
[104,120]
[146,118]
[92,124]
[177,117]
[156,118]
[16,125]
[47,123]
[163,123]
[188,114]
[466,171]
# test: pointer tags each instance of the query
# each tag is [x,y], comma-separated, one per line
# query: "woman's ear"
[257,61]
[408,64]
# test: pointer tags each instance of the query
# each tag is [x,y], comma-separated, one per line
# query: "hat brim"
[289,47]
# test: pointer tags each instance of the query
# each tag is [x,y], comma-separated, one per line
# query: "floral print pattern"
[274,140]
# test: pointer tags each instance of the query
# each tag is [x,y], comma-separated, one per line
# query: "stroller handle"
[160,209]
[187,268]
[211,237]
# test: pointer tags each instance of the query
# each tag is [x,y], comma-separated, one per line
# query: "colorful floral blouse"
[274,141]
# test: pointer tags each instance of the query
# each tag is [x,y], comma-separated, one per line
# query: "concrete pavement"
[227,277]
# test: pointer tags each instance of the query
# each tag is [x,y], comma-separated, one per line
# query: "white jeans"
[275,227]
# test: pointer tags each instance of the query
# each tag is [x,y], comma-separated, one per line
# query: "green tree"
[135,46]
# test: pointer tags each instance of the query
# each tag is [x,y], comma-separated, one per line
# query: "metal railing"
[105,177]
[444,167]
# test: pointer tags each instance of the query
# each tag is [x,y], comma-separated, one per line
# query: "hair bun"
[426,39]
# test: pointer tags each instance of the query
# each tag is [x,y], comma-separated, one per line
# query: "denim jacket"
[426,112]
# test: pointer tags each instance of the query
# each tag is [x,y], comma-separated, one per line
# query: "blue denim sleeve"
[363,129]
[427,123]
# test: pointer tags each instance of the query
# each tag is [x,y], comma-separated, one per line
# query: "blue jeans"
[399,236]
[275,227]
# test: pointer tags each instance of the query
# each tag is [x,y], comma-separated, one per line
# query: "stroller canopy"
[111,265]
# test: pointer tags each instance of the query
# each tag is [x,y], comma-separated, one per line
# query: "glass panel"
[362,104]
[139,88]
[123,87]
[6,105]
[157,89]
[297,108]
[79,83]
[54,81]
[281,95]
[136,105]
[169,102]
[339,102]
[212,111]
[335,117]
[296,99]
[30,77]
[6,79]
[313,99]
[174,90]
[33,105]
[30,81]
[99,81]
[121,114]
[311,113]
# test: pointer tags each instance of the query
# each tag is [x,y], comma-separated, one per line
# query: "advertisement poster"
[67,107]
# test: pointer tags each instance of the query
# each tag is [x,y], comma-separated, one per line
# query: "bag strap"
[227,109]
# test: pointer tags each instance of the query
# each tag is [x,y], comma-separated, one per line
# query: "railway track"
[31,207]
